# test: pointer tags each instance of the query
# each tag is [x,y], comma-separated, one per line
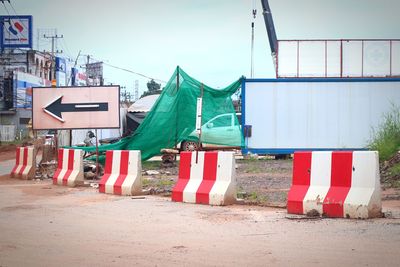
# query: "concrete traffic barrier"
[336,184]
[206,178]
[25,163]
[69,170]
[122,173]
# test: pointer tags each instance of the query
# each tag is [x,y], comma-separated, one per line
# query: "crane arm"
[269,24]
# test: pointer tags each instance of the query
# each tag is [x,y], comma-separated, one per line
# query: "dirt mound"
[390,178]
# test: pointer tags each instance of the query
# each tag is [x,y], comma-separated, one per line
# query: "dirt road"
[46,225]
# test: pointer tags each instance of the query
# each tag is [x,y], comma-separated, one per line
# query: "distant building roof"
[143,104]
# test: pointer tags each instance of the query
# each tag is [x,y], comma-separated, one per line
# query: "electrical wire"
[5,7]
[15,12]
[63,44]
[107,64]
[134,72]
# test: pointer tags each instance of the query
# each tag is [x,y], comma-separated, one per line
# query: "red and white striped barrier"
[336,184]
[122,173]
[70,167]
[25,163]
[211,180]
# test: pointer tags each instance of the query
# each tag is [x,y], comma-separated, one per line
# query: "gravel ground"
[263,182]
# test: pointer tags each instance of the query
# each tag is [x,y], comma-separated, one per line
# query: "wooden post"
[201,122]
[176,116]
[97,156]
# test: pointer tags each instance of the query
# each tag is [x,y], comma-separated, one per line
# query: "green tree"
[153,88]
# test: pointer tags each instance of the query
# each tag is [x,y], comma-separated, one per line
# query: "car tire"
[189,146]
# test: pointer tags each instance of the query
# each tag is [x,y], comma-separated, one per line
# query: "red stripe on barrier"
[209,177]
[25,160]
[300,183]
[109,162]
[341,172]
[184,176]
[70,166]
[123,170]
[107,171]
[16,161]
[59,165]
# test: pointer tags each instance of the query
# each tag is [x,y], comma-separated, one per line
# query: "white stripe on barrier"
[224,190]
[196,177]
[365,188]
[132,182]
[320,180]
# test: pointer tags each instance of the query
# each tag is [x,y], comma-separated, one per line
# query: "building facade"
[20,70]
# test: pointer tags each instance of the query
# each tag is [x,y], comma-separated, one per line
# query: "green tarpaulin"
[173,118]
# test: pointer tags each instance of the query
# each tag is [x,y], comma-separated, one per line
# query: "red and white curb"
[122,173]
[25,163]
[206,178]
[70,167]
[336,184]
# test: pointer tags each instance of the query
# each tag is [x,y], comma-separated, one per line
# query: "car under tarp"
[172,118]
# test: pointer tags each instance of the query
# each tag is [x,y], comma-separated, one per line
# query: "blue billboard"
[16,32]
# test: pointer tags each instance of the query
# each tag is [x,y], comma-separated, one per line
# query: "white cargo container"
[338,58]
[286,115]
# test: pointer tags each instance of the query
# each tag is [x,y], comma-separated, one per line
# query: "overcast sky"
[209,39]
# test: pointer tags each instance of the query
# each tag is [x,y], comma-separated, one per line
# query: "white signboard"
[198,114]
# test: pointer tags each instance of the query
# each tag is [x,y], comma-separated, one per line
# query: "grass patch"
[166,182]
[146,182]
[386,139]
[15,142]
[395,170]
[151,165]
[255,197]
[252,166]
[396,184]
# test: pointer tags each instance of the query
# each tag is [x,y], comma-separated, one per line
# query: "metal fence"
[7,133]
[338,58]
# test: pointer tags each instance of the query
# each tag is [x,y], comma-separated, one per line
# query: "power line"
[15,12]
[64,44]
[134,72]
[5,7]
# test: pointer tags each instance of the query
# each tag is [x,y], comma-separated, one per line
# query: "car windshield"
[222,121]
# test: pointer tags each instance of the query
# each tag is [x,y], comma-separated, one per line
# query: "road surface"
[46,225]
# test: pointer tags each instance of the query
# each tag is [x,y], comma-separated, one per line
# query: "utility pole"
[136,90]
[53,77]
[254,12]
[87,66]
[123,94]
[252,51]
[53,39]
[75,63]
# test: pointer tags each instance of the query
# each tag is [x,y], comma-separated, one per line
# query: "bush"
[386,139]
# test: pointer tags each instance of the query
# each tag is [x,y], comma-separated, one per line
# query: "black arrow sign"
[55,108]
